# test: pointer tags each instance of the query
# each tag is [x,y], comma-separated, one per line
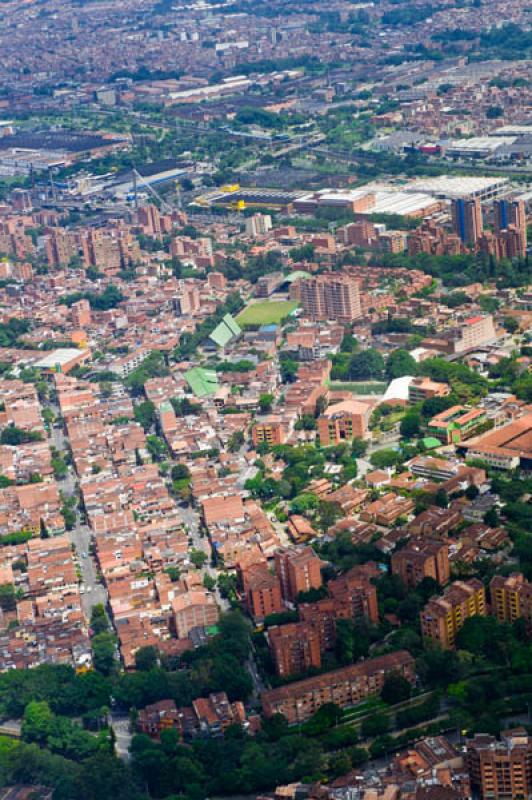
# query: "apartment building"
[501,770]
[511,597]
[298,570]
[262,591]
[467,219]
[295,648]
[422,559]
[343,422]
[334,296]
[442,617]
[270,430]
[344,687]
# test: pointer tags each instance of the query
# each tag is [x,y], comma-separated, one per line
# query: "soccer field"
[266,312]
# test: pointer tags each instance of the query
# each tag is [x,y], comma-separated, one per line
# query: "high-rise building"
[467,220]
[511,597]
[501,770]
[331,296]
[422,559]
[343,422]
[509,212]
[258,225]
[442,617]
[298,569]
[295,648]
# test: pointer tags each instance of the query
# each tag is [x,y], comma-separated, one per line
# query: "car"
[84,555]
[89,588]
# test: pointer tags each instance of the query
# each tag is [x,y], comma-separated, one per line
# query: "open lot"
[266,312]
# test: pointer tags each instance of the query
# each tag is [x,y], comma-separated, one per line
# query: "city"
[265,400]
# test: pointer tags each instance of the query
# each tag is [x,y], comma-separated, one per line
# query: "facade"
[501,770]
[344,687]
[343,422]
[456,424]
[269,430]
[298,570]
[442,617]
[422,559]
[467,220]
[295,648]
[262,591]
[511,597]
[332,296]
[424,388]
[508,447]
[511,215]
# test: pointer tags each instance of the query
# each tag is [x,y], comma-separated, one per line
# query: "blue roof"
[268,328]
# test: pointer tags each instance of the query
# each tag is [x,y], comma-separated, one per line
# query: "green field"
[266,312]
[365,388]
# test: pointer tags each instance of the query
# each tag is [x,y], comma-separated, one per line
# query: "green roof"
[202,381]
[430,442]
[225,331]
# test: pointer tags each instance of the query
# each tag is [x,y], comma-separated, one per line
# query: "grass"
[267,312]
[363,388]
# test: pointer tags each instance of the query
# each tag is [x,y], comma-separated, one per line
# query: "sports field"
[266,312]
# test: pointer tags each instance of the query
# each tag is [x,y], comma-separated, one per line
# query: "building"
[421,389]
[267,284]
[262,591]
[258,225]
[511,213]
[442,617]
[295,648]
[467,220]
[194,609]
[422,559]
[511,598]
[508,447]
[343,422]
[456,424]
[344,687]
[81,314]
[501,770]
[475,332]
[298,570]
[332,296]
[270,430]
[355,592]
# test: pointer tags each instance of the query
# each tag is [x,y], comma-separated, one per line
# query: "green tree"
[399,364]
[146,658]
[266,403]
[368,364]
[395,689]
[410,424]
[145,414]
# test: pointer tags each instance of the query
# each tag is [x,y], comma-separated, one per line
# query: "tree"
[37,723]
[399,364]
[180,472]
[236,440]
[146,658]
[472,491]
[99,620]
[358,447]
[491,518]
[368,364]
[386,458]
[374,725]
[441,498]
[8,600]
[156,447]
[266,403]
[510,324]
[395,689]
[103,652]
[410,424]
[198,558]
[145,414]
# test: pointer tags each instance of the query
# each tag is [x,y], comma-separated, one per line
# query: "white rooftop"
[61,356]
